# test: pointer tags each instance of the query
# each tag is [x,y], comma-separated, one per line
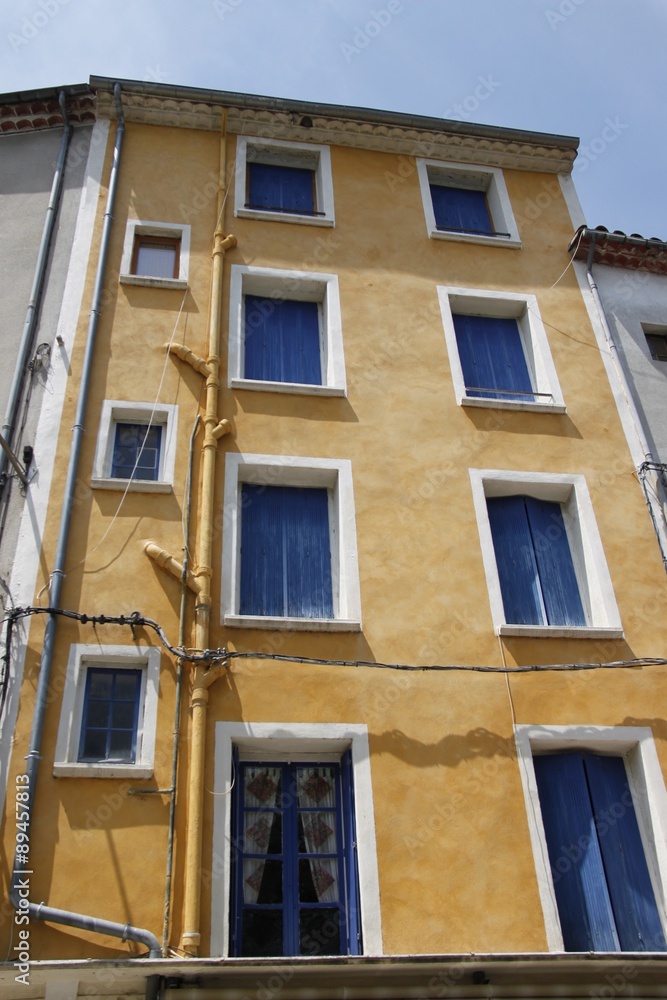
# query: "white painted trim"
[488,179]
[572,200]
[647,785]
[595,587]
[288,470]
[309,286]
[503,305]
[81,657]
[31,529]
[119,411]
[177,230]
[294,741]
[285,153]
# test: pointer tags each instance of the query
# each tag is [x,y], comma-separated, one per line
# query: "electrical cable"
[221,655]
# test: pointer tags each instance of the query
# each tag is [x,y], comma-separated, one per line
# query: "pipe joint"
[221,429]
[185,354]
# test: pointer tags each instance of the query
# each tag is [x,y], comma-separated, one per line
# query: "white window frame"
[488,179]
[173,230]
[503,305]
[277,741]
[288,154]
[309,286]
[115,411]
[334,475]
[647,786]
[595,587]
[81,657]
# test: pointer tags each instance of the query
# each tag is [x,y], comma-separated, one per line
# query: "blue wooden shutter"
[537,578]
[282,340]
[353,915]
[285,552]
[515,559]
[492,357]
[628,880]
[281,189]
[461,210]
[582,897]
[558,580]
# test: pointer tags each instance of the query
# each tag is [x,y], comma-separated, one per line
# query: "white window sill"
[112,770]
[293,624]
[135,485]
[294,388]
[486,402]
[301,220]
[561,631]
[489,241]
[141,279]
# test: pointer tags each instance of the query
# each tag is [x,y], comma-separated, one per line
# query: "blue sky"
[591,68]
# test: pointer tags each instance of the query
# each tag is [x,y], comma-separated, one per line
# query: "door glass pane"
[262,833]
[319,931]
[318,880]
[262,881]
[262,932]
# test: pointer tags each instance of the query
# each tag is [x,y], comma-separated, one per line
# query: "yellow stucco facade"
[456,868]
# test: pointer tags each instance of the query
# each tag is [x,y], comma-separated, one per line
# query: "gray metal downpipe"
[36,292]
[40,911]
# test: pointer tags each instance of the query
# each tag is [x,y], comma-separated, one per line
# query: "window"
[294,856]
[110,715]
[156,257]
[294,865]
[499,351]
[657,344]
[283,181]
[289,544]
[543,557]
[470,204]
[535,568]
[136,445]
[605,898]
[156,254]
[136,452]
[285,332]
[109,712]
[286,552]
[596,805]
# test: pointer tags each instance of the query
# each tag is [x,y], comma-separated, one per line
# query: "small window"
[285,332]
[657,343]
[289,544]
[499,351]
[156,257]
[136,447]
[110,715]
[545,567]
[603,888]
[294,867]
[136,453]
[156,254]
[283,181]
[108,718]
[467,203]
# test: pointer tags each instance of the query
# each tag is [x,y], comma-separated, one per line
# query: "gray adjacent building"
[51,153]
[624,279]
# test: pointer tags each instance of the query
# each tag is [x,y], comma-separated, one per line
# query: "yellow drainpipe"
[205,675]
